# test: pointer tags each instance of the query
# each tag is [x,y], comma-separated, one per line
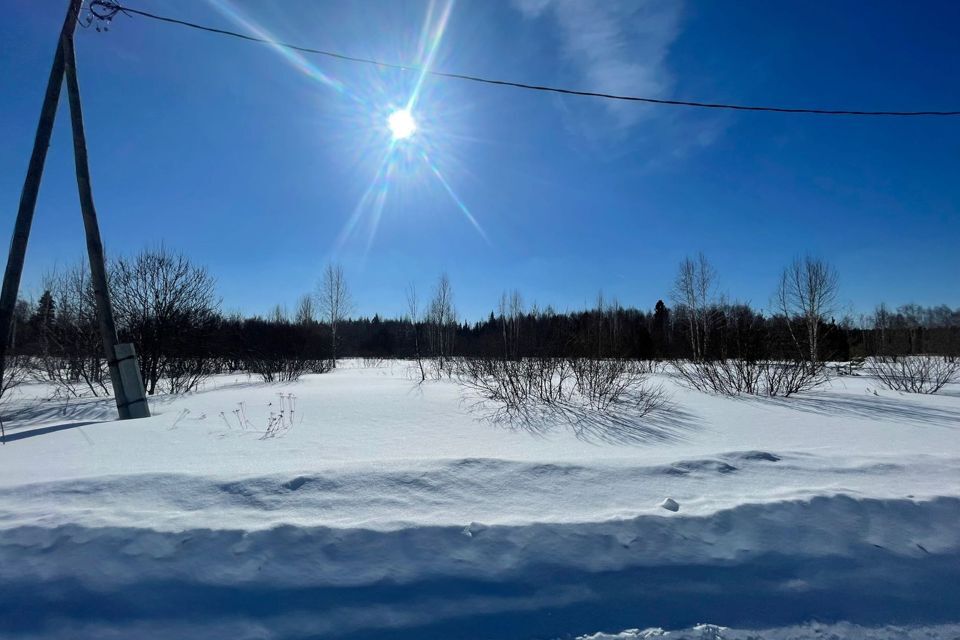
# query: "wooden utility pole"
[127,385]
[31,187]
[98,268]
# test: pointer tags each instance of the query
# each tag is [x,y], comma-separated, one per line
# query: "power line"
[106,9]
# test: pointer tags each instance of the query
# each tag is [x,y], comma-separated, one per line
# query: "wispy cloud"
[615,47]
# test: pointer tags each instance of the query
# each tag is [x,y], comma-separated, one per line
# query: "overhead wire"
[110,7]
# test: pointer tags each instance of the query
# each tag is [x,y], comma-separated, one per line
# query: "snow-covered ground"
[384,508]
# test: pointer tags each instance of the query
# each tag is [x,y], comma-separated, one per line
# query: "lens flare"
[227,8]
[456,199]
[408,140]
[402,125]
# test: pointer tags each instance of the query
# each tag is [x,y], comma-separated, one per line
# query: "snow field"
[388,509]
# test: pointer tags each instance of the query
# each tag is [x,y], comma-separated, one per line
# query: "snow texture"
[392,509]
[814,631]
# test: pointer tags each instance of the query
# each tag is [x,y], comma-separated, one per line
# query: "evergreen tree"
[661,330]
[44,315]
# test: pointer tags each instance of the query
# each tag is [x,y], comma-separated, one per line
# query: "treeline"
[168,308]
[662,334]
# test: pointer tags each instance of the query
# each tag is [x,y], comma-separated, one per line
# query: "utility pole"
[124,374]
[98,268]
[31,186]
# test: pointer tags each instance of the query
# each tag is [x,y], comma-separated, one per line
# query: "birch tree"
[413,308]
[511,315]
[334,302]
[442,316]
[694,289]
[807,296]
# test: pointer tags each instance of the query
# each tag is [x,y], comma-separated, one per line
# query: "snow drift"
[865,561]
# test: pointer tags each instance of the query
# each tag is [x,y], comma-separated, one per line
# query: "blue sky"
[233,154]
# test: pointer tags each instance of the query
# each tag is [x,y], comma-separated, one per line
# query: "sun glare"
[402,125]
[402,134]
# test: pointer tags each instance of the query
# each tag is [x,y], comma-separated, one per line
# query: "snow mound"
[754,455]
[454,492]
[848,559]
[703,466]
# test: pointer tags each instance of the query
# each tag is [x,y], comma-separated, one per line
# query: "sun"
[402,125]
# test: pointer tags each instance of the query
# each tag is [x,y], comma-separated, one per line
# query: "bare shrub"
[737,376]
[14,372]
[646,398]
[319,365]
[604,381]
[281,351]
[787,378]
[437,368]
[520,385]
[281,368]
[185,374]
[73,376]
[647,367]
[70,354]
[167,306]
[726,377]
[517,383]
[916,373]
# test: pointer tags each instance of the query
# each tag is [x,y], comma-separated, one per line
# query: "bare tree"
[306,310]
[614,312]
[881,322]
[443,320]
[693,290]
[278,314]
[511,314]
[598,322]
[70,351]
[807,296]
[168,307]
[413,308]
[335,303]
